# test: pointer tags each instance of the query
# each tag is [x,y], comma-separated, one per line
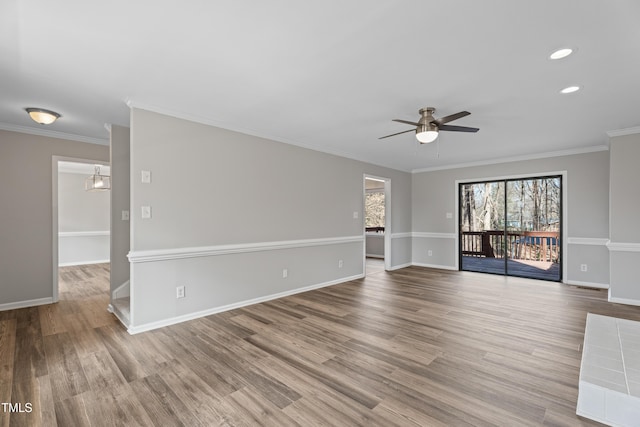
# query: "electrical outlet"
[583,267]
[430,252]
[285,273]
[180,292]
[340,264]
[125,215]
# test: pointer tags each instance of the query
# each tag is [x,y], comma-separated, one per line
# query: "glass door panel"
[482,245]
[533,227]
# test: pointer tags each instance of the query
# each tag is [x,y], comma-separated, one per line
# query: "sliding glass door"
[512,226]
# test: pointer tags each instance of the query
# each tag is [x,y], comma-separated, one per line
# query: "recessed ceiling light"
[561,53]
[570,89]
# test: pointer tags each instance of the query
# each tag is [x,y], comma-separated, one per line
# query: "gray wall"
[587,195]
[625,232]
[213,187]
[120,195]
[83,221]
[26,219]
[80,210]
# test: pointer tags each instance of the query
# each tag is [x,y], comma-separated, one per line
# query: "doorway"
[377,224]
[512,227]
[81,224]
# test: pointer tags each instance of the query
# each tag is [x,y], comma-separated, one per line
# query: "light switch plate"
[125,215]
[449,215]
[355,215]
[146,177]
[146,212]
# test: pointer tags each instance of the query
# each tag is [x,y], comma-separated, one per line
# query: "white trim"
[623,132]
[53,134]
[626,301]
[398,267]
[429,235]
[93,261]
[83,233]
[440,267]
[570,152]
[590,241]
[27,303]
[401,235]
[588,284]
[373,234]
[623,247]
[114,293]
[204,251]
[121,317]
[375,256]
[191,316]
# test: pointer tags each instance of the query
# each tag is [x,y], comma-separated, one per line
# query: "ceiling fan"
[427,127]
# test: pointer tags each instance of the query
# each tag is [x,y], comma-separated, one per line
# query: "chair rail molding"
[204,251]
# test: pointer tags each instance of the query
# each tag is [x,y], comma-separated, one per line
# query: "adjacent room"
[407,213]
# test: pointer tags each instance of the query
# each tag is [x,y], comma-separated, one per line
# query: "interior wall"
[120,199]
[83,222]
[26,235]
[586,225]
[624,247]
[261,206]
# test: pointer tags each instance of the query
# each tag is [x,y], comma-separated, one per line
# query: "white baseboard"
[96,261]
[438,266]
[191,316]
[27,303]
[375,256]
[398,267]
[626,301]
[121,317]
[588,284]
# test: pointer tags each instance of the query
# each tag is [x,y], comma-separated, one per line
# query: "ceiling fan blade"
[452,117]
[406,122]
[458,128]
[399,133]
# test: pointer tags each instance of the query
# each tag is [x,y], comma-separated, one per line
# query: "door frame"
[54,212]
[564,213]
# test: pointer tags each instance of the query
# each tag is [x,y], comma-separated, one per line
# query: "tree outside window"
[374,209]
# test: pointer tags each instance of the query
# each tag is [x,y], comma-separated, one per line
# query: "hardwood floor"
[415,346]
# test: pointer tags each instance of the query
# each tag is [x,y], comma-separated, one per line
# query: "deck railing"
[528,245]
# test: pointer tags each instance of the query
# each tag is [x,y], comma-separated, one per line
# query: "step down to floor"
[121,308]
[609,388]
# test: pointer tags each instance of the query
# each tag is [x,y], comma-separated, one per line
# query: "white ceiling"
[331,75]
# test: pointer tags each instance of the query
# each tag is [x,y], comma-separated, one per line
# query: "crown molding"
[53,134]
[545,155]
[623,132]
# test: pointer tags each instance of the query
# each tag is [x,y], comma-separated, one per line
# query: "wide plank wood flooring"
[413,347]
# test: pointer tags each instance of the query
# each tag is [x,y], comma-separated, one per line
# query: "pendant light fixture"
[97,182]
[42,116]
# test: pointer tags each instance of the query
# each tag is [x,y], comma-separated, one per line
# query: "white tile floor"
[609,389]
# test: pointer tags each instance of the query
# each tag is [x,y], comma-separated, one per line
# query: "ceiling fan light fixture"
[42,116]
[427,133]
